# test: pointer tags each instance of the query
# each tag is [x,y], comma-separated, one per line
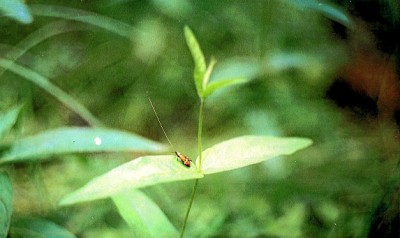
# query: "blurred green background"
[289,50]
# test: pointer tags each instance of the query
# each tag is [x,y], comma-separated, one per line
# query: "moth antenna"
[159,122]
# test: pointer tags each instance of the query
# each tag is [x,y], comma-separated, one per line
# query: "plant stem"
[199,146]
[200,128]
[189,207]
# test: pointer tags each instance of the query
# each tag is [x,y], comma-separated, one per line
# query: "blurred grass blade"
[219,84]
[38,228]
[7,120]
[74,140]
[246,150]
[6,197]
[112,25]
[141,172]
[40,35]
[143,215]
[44,83]
[198,58]
[329,10]
[16,9]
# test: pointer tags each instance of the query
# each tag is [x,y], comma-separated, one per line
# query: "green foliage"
[91,63]
[143,215]
[246,150]
[58,93]
[7,120]
[17,10]
[202,73]
[75,140]
[151,170]
[117,27]
[38,228]
[140,172]
[6,196]
[200,67]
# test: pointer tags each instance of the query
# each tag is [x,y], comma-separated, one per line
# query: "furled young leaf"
[208,72]
[141,172]
[218,84]
[246,150]
[200,66]
[7,120]
[76,139]
[6,194]
[143,215]
[16,9]
[38,228]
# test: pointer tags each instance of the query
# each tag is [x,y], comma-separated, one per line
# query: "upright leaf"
[143,215]
[38,228]
[141,172]
[207,75]
[246,150]
[200,66]
[76,139]
[7,120]
[6,194]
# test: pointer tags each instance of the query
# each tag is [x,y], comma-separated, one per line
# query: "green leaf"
[246,150]
[91,18]
[5,203]
[198,58]
[47,31]
[38,228]
[329,10]
[76,139]
[141,172]
[207,75]
[219,84]
[52,89]
[238,67]
[17,10]
[143,215]
[7,120]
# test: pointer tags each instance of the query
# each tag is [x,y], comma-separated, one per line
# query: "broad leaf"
[141,172]
[246,150]
[143,215]
[38,228]
[198,58]
[76,139]
[7,120]
[16,9]
[6,194]
[218,84]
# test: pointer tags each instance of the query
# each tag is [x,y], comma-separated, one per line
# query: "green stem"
[189,207]
[199,143]
[200,128]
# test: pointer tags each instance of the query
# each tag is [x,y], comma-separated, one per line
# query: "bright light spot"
[97,141]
